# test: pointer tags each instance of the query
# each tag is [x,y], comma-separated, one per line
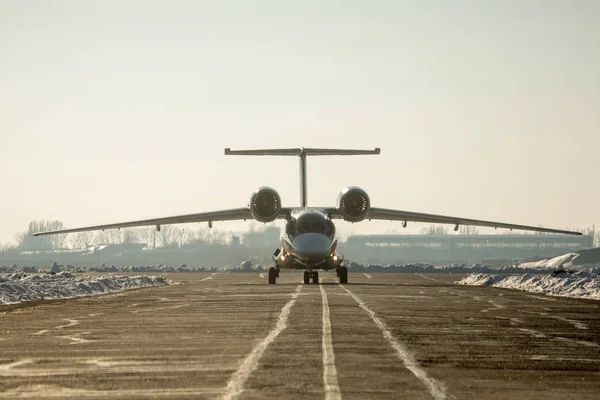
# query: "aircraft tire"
[306,277]
[272,275]
[343,275]
[315,277]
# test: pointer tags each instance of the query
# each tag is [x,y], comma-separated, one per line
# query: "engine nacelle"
[353,204]
[265,204]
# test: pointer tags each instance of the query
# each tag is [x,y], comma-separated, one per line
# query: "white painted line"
[206,279]
[495,308]
[9,366]
[330,380]
[436,389]
[429,278]
[235,386]
[262,276]
[368,276]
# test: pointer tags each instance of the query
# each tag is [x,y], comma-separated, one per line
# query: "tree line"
[169,236]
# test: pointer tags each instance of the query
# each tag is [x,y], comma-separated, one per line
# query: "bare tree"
[434,230]
[109,236]
[167,236]
[146,235]
[184,236]
[81,240]
[28,242]
[129,235]
[468,230]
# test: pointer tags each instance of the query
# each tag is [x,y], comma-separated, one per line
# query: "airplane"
[308,242]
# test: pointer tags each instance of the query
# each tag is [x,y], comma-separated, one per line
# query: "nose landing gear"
[308,275]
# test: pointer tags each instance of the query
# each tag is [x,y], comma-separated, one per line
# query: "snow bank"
[583,284]
[552,263]
[15,288]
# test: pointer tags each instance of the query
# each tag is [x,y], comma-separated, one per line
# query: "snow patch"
[19,287]
[583,284]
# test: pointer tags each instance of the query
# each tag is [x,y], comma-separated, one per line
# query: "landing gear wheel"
[315,277]
[306,277]
[343,274]
[272,275]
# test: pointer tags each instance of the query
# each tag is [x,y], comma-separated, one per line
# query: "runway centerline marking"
[436,389]
[235,386]
[368,276]
[330,380]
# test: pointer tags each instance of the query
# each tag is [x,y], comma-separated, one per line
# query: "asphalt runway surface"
[388,336]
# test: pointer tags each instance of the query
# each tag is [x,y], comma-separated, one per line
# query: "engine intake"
[353,204]
[265,204]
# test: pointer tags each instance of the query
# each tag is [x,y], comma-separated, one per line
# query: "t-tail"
[301,153]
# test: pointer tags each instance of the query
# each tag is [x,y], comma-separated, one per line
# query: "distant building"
[438,249]
[268,237]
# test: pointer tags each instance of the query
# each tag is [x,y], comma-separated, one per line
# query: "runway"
[226,336]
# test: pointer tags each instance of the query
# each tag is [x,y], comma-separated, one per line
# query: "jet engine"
[265,204]
[353,204]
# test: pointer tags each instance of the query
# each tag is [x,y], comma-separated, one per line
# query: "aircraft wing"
[222,215]
[409,216]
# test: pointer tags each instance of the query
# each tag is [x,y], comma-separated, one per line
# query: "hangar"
[436,249]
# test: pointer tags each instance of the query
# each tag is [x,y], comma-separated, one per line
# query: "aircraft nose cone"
[312,244]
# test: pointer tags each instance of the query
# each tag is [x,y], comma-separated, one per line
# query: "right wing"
[399,215]
[411,216]
[222,215]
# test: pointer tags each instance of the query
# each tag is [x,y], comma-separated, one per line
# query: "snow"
[583,284]
[552,263]
[19,287]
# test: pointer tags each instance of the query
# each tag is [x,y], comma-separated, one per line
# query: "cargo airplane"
[309,241]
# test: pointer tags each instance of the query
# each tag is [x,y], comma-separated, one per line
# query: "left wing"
[406,216]
[222,215]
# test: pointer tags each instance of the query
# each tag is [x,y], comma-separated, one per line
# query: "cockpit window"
[311,222]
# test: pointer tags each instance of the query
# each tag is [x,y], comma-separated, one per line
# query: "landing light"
[335,258]
[282,257]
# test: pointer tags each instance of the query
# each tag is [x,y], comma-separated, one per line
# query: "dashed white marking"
[235,386]
[72,322]
[9,366]
[429,278]
[160,308]
[206,279]
[436,388]
[513,321]
[542,298]
[541,335]
[330,380]
[262,276]
[41,332]
[368,276]
[76,339]
[575,323]
[495,307]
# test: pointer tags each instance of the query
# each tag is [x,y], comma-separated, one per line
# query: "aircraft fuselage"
[308,242]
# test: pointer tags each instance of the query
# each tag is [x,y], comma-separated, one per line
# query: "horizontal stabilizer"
[301,151]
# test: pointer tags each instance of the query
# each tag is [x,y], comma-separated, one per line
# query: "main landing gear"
[273,275]
[314,275]
[342,273]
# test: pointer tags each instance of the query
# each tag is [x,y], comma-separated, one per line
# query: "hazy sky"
[119,110]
